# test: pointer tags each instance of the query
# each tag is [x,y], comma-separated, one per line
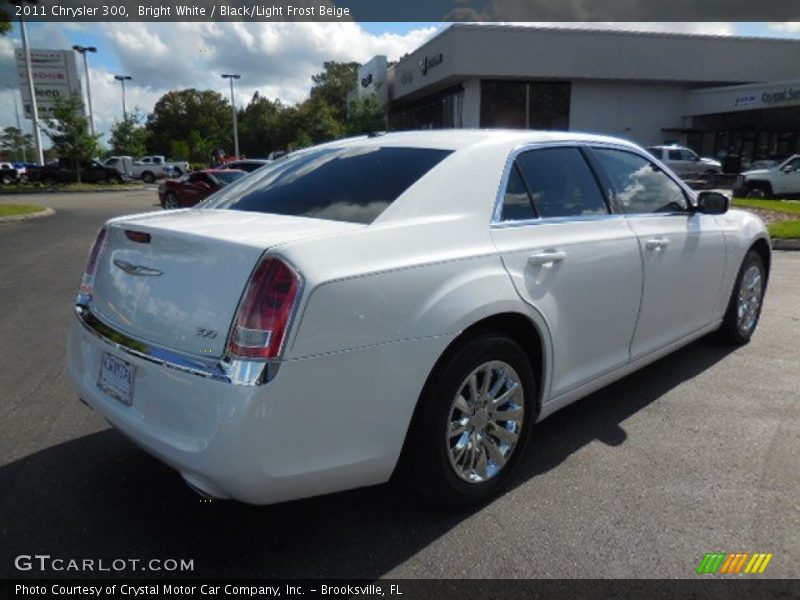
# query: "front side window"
[352,183]
[561,183]
[641,187]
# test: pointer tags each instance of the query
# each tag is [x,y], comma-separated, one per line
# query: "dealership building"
[720,95]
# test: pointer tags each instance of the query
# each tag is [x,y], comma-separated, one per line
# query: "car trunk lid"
[175,279]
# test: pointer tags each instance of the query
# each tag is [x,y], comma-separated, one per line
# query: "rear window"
[354,184]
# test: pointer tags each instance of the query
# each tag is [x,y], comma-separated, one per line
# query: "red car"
[194,187]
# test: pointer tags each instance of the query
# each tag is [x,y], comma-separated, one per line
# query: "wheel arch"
[761,246]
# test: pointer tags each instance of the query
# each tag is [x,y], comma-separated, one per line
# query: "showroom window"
[559,182]
[641,187]
[525,104]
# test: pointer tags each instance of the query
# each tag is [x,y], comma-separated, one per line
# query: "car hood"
[756,172]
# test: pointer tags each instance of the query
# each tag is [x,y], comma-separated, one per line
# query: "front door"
[683,252]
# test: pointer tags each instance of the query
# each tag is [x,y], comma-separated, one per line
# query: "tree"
[5,17]
[68,129]
[333,86]
[16,146]
[261,126]
[365,115]
[201,119]
[128,136]
[315,122]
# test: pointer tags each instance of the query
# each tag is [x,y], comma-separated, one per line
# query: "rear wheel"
[471,426]
[148,177]
[48,180]
[747,297]
[170,201]
[6,179]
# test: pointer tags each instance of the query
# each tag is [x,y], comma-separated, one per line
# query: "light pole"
[231,77]
[83,50]
[122,79]
[37,135]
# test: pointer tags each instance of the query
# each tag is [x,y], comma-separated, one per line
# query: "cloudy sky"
[277,59]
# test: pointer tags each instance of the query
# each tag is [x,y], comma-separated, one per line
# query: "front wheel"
[170,201]
[471,427]
[747,297]
[758,191]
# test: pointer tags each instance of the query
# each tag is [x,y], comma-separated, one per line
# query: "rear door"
[683,251]
[572,259]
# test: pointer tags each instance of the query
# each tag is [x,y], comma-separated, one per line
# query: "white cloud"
[275,59]
[788,26]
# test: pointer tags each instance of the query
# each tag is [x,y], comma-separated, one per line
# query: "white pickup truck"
[782,181]
[147,168]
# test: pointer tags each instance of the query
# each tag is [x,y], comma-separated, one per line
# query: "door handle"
[656,243]
[547,257]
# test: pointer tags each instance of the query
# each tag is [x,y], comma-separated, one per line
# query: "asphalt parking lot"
[696,453]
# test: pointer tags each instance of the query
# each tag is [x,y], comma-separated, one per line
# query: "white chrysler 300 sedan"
[405,304]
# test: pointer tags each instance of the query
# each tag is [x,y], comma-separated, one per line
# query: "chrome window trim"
[497,221]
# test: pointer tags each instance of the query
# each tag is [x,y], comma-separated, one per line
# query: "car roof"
[458,139]
[220,171]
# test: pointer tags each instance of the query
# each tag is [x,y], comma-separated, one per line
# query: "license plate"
[116,378]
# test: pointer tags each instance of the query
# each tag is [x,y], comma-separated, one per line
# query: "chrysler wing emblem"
[139,270]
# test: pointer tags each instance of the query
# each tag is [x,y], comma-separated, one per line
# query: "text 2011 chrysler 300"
[410,303]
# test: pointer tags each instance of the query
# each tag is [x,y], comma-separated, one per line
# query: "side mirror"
[712,203]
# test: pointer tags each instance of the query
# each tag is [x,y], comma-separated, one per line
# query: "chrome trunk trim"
[232,371]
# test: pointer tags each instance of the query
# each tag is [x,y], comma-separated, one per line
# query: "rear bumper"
[323,424]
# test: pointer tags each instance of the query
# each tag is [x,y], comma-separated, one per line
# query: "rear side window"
[517,203]
[640,186]
[561,183]
[353,184]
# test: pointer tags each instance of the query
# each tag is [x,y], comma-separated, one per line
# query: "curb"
[47,212]
[56,191]
[786,244]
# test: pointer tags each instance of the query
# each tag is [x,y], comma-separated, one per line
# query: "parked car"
[247,164]
[64,170]
[782,180]
[8,173]
[150,168]
[685,162]
[195,187]
[122,164]
[409,304]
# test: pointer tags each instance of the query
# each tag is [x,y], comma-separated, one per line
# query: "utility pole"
[37,135]
[122,79]
[231,77]
[83,50]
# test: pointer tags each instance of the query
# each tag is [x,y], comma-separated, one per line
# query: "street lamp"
[84,50]
[37,135]
[233,76]
[122,79]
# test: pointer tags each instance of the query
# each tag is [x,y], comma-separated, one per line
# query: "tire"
[759,190]
[148,177]
[455,470]
[170,201]
[114,179]
[747,298]
[6,180]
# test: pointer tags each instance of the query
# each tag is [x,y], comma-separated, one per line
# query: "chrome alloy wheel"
[485,421]
[751,292]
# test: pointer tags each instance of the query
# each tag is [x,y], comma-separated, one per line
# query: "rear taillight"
[87,281]
[264,313]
